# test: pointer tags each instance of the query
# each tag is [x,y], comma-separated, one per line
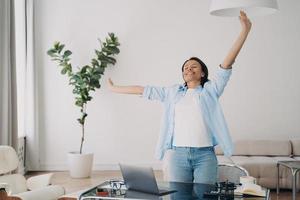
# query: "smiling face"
[192,71]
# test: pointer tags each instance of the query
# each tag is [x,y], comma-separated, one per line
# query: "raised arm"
[235,49]
[125,89]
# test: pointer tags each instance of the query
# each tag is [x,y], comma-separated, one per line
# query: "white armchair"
[34,188]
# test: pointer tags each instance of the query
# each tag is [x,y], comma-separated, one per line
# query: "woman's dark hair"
[203,68]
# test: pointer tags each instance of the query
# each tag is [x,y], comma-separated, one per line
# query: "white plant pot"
[80,165]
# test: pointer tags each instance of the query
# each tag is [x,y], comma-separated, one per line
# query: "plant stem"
[82,126]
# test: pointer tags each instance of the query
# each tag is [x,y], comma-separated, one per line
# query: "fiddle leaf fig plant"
[87,78]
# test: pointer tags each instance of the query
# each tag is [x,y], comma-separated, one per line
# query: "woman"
[193,120]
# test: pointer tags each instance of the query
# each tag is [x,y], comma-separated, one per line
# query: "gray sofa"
[260,157]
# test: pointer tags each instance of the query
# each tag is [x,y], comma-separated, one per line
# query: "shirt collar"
[184,88]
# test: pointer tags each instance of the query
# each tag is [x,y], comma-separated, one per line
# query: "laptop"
[142,179]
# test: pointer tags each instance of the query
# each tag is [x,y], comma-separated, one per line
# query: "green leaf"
[89,98]
[75,91]
[110,50]
[67,53]
[94,82]
[95,62]
[50,52]
[63,64]
[103,65]
[79,103]
[110,60]
[111,35]
[82,119]
[56,45]
[98,53]
[60,48]
[113,49]
[69,66]
[97,85]
[100,70]
[84,69]
[96,76]
[64,71]
[56,59]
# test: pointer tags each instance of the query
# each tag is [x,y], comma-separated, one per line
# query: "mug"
[247,179]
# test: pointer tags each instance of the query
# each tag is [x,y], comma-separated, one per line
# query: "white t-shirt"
[189,129]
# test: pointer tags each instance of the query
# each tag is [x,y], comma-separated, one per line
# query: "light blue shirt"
[208,102]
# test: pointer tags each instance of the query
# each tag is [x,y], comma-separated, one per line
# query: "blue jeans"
[193,164]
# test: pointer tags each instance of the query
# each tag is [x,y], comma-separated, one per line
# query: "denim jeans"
[193,164]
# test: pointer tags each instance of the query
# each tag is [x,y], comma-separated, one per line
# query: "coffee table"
[294,166]
[191,191]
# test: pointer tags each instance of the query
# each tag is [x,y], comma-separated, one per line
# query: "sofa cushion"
[282,158]
[297,157]
[263,148]
[296,147]
[17,182]
[260,148]
[46,193]
[224,159]
[257,166]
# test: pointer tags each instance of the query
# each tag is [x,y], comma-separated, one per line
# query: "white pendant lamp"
[231,8]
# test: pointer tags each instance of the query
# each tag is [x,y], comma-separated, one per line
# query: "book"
[250,189]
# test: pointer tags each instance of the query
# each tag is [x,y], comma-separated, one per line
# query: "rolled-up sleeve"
[154,93]
[221,79]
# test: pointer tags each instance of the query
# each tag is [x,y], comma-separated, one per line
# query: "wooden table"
[3,196]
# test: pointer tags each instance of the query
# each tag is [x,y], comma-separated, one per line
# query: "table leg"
[277,187]
[294,175]
[294,184]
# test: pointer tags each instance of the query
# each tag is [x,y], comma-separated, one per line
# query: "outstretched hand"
[235,49]
[245,22]
[124,89]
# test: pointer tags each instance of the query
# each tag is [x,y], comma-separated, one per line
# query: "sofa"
[260,158]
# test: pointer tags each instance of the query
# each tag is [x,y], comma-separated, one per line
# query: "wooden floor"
[97,177]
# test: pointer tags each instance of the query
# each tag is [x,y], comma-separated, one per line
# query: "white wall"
[261,101]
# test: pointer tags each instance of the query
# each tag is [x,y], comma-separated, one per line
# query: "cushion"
[224,159]
[263,148]
[296,147]
[8,159]
[297,157]
[16,182]
[46,193]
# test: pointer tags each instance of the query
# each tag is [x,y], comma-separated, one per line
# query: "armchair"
[34,188]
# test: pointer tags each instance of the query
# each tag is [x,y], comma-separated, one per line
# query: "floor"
[72,185]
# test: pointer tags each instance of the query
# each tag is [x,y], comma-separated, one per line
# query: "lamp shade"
[231,8]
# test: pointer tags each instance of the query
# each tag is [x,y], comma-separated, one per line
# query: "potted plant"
[85,80]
